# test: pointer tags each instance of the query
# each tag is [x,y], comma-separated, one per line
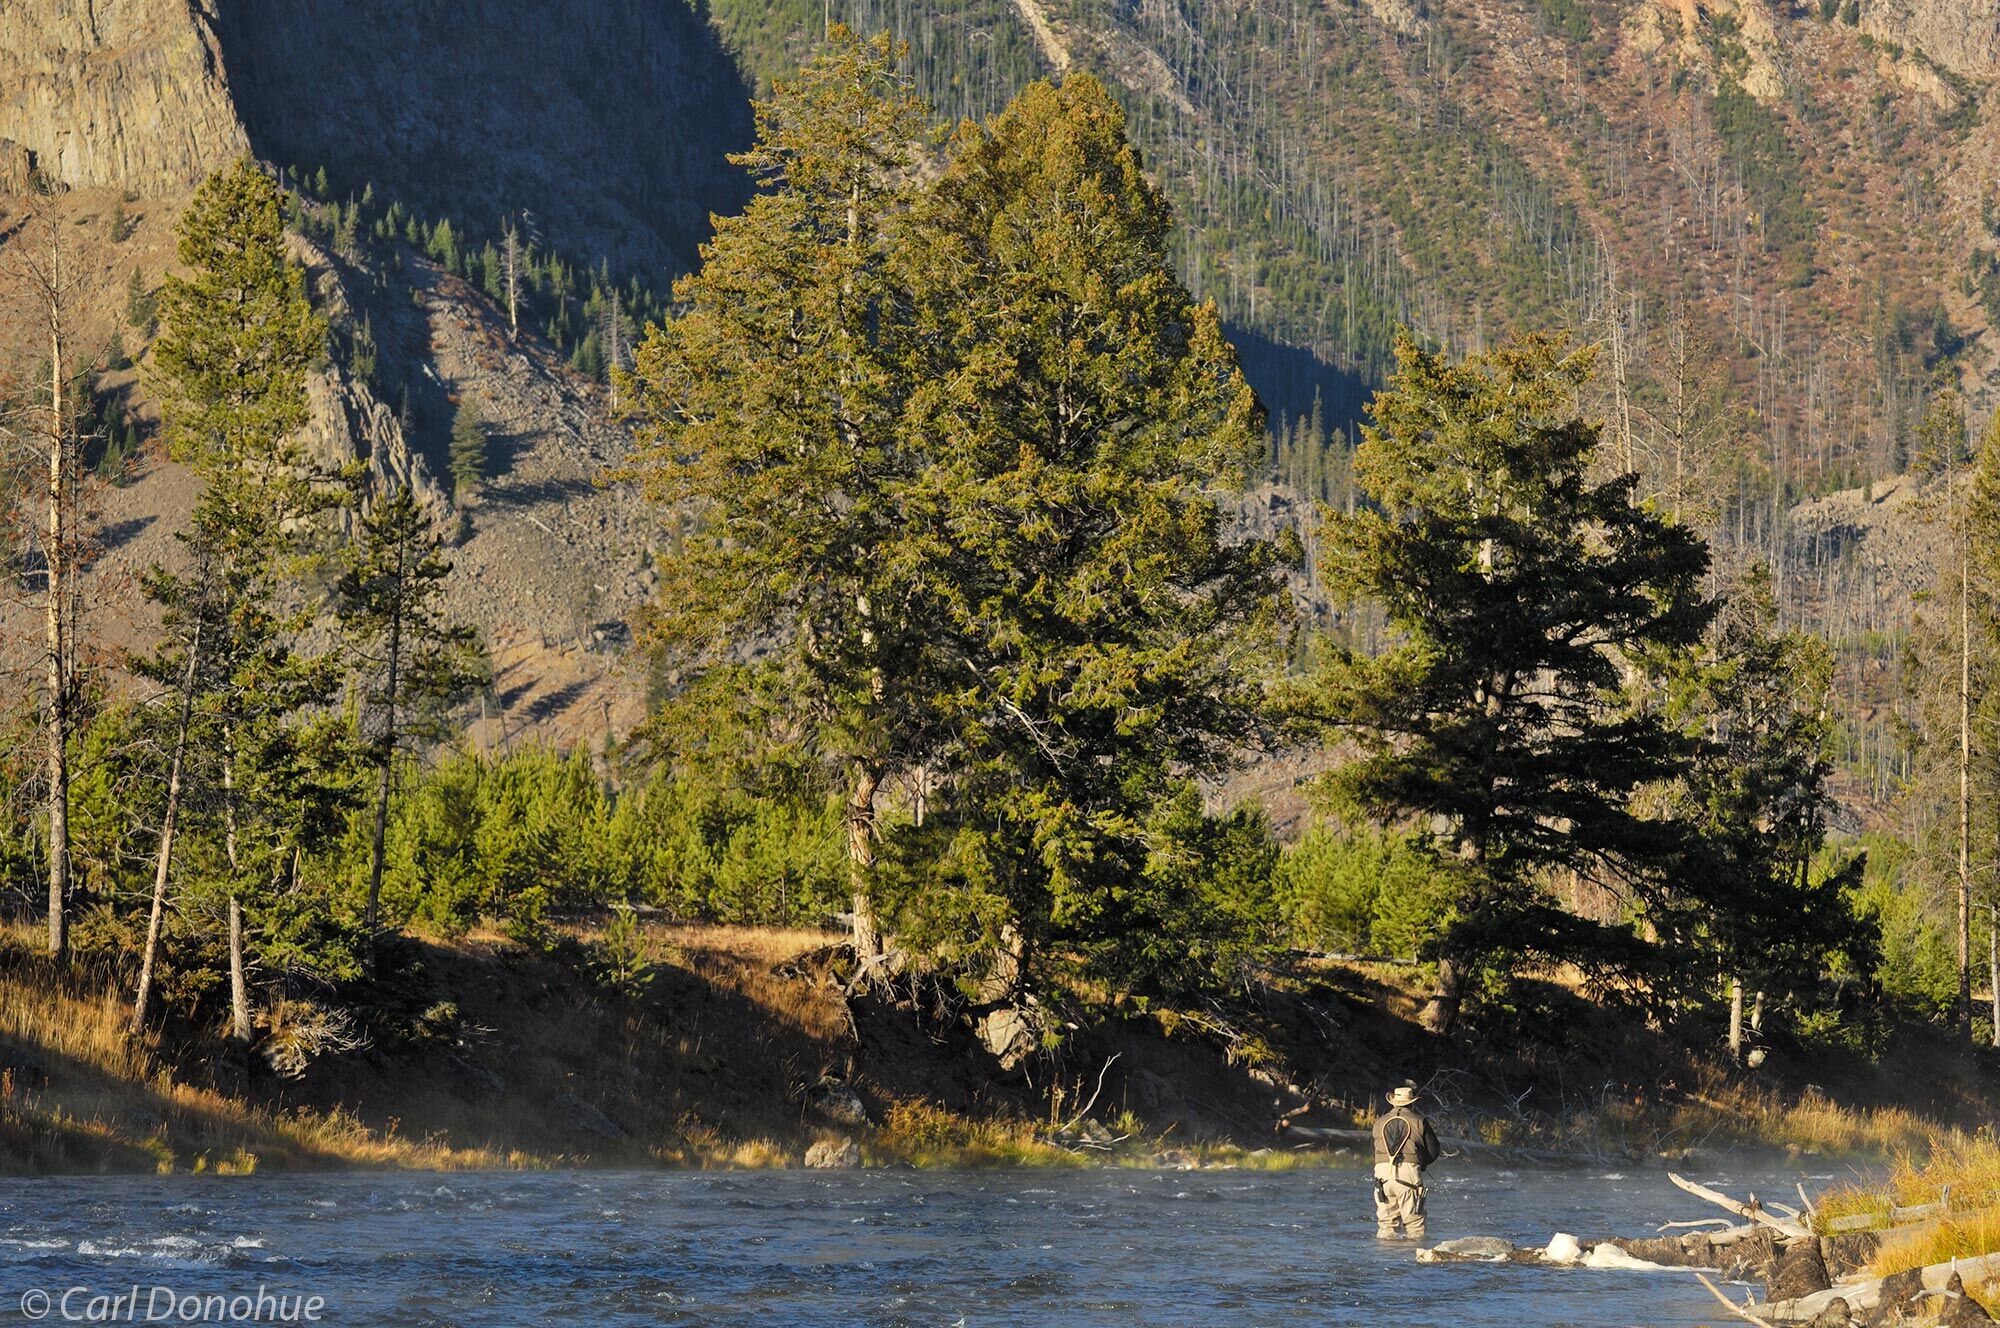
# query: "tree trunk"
[239,987]
[1736,1020]
[57,679]
[387,767]
[861,861]
[1964,792]
[1993,965]
[1440,1012]
[164,862]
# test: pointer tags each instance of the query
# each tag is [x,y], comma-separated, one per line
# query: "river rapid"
[1178,1249]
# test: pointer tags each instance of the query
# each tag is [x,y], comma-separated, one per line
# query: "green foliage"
[1761,901]
[1571,18]
[1520,587]
[1365,891]
[237,337]
[468,452]
[1755,144]
[140,303]
[1110,629]
[1919,959]
[518,837]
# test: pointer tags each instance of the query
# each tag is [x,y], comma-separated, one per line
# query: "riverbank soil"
[738,1046]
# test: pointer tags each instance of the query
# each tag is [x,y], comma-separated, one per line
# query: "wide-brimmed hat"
[1403,1095]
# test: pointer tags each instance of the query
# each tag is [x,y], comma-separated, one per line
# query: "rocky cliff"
[1962,36]
[129,94]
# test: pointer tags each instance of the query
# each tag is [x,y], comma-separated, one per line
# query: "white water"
[883,1248]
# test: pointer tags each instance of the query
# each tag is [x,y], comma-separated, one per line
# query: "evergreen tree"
[468,452]
[770,411]
[416,664]
[140,305]
[1101,624]
[1523,590]
[1756,701]
[237,338]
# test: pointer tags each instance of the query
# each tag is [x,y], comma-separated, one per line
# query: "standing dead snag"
[51,280]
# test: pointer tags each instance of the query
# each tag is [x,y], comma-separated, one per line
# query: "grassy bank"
[728,1047]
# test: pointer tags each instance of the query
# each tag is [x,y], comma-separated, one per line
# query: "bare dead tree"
[51,279]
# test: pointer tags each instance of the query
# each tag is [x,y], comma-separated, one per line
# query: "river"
[1179,1249]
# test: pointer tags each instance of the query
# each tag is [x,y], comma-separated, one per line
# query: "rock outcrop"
[129,94]
[1962,36]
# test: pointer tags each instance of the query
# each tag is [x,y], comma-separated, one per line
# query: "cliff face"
[128,94]
[608,120]
[1963,36]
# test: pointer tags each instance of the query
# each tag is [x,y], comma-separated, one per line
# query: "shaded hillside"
[607,120]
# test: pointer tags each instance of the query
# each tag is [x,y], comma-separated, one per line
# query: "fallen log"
[1731,1305]
[1790,1229]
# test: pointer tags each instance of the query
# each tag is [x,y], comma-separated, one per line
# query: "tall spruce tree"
[237,338]
[1756,701]
[414,663]
[1100,623]
[769,412]
[1521,589]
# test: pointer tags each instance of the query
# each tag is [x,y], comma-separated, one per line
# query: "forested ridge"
[961,613]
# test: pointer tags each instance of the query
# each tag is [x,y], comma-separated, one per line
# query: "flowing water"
[1178,1249]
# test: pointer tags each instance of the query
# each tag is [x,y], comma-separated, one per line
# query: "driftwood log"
[1790,1227]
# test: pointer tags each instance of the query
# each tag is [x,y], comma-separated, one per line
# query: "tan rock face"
[123,93]
[1961,35]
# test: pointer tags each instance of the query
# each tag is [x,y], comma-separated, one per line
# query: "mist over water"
[878,1248]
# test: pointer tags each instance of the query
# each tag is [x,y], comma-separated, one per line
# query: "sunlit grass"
[1958,1170]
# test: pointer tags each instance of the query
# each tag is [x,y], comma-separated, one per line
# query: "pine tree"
[416,665]
[237,338]
[468,452]
[1756,701]
[1100,623]
[139,303]
[1523,590]
[769,411]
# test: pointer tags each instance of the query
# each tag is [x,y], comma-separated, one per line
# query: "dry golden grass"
[1950,1167]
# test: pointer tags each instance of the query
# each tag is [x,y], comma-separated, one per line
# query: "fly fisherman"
[1404,1145]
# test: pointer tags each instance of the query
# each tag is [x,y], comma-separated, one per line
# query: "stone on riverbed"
[833,1155]
[1469,1249]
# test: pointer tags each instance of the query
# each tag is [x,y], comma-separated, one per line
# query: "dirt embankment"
[729,1046]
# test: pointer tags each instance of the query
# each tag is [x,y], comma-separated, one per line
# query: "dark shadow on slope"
[1287,378]
[608,120]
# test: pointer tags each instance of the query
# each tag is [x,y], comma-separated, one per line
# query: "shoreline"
[483,1054]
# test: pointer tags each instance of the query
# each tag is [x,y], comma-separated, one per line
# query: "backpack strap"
[1396,1133]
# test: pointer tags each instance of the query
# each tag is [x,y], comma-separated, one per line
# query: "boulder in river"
[1476,1249]
[834,1155]
[1562,1248]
